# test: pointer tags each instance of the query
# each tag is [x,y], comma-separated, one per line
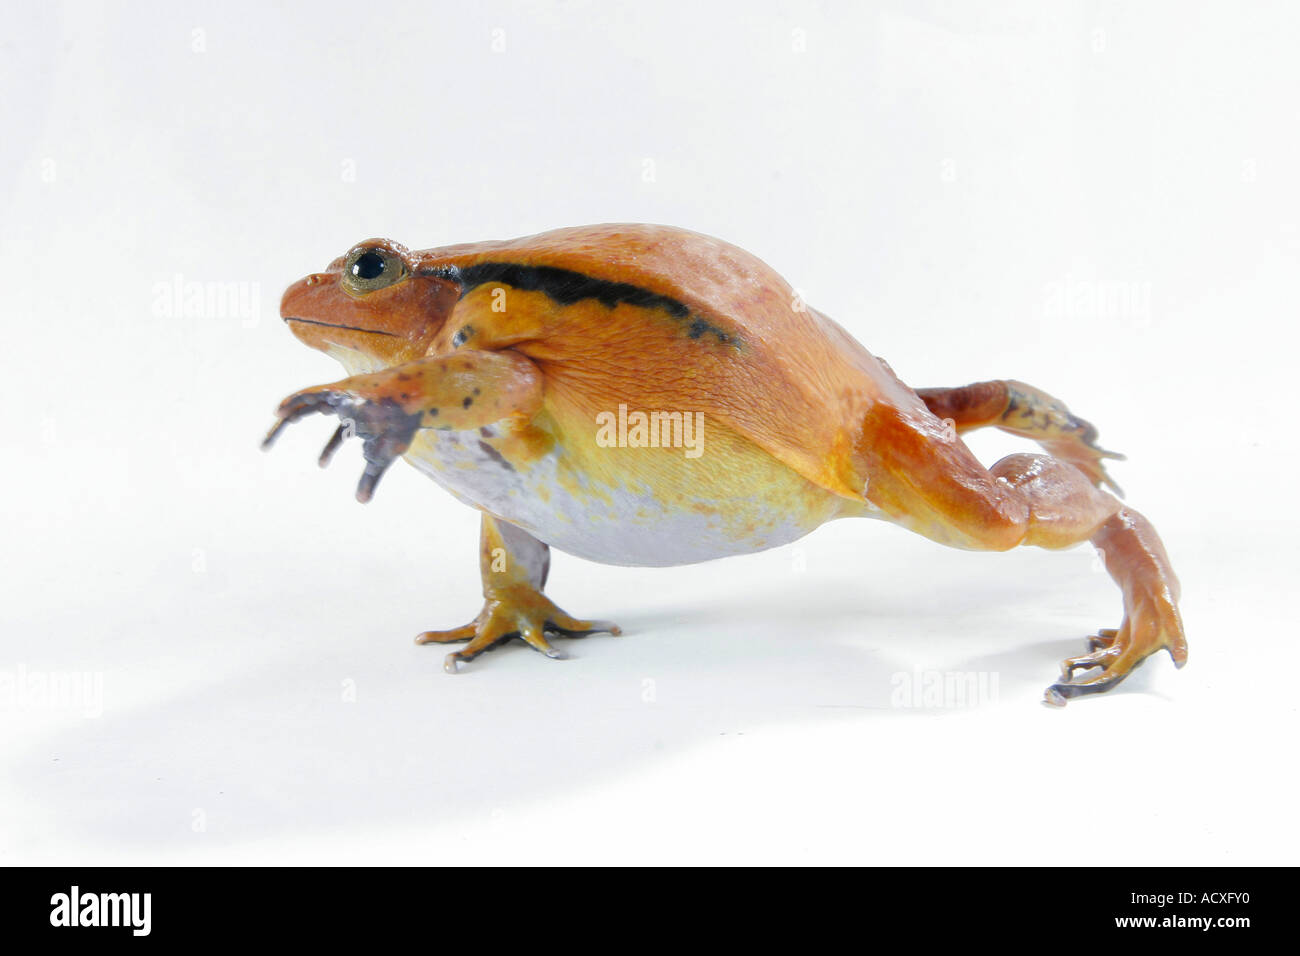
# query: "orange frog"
[643,395]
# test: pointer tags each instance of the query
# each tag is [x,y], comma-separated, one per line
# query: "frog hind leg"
[933,484]
[1136,559]
[514,566]
[1028,412]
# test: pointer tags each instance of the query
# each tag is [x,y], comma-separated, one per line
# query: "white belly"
[632,506]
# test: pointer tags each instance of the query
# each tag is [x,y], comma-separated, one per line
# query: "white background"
[955,183]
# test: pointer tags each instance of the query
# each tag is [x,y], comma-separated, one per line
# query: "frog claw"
[457,635]
[274,433]
[386,428]
[1104,637]
[369,479]
[585,628]
[1062,691]
[331,446]
[524,613]
[535,638]
[296,406]
[1153,623]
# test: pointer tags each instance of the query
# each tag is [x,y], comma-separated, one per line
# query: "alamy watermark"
[24,690]
[190,299]
[1079,298]
[76,908]
[655,429]
[943,689]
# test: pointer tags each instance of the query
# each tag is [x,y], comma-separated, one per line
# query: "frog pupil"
[369,265]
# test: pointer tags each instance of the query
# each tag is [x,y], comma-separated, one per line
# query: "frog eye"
[367,270]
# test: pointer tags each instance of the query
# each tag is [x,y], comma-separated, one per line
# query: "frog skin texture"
[647,396]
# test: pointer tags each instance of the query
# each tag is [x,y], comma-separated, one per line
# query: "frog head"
[370,308]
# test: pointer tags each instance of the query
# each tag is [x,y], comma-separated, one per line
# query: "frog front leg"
[468,390]
[514,567]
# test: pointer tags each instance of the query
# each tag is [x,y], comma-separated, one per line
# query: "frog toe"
[1063,690]
[385,428]
[534,637]
[331,446]
[1152,624]
[487,639]
[1099,655]
[573,627]
[523,613]
[488,632]
[1104,637]
[456,635]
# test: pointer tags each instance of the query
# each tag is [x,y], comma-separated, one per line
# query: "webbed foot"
[514,612]
[1151,622]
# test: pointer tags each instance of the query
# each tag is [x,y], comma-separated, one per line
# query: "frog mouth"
[335,325]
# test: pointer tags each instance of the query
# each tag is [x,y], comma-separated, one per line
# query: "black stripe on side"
[565,287]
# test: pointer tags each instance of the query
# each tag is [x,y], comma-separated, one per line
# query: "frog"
[648,396]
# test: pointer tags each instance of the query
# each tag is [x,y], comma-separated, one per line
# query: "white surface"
[951,182]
